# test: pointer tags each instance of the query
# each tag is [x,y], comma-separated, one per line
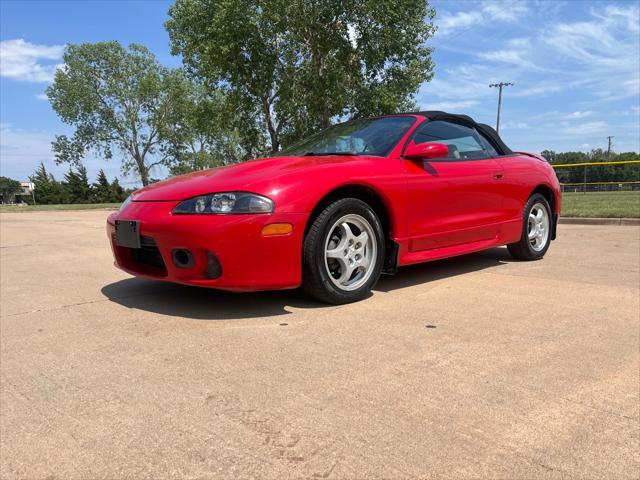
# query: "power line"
[500,86]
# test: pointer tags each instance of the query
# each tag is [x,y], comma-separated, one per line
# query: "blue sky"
[575,65]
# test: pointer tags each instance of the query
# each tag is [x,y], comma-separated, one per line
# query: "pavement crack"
[70,305]
[19,246]
[599,409]
[572,280]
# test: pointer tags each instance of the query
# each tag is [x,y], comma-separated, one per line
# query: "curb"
[599,221]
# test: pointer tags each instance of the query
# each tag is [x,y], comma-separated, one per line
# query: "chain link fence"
[623,176]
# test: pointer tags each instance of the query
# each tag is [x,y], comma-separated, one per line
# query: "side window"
[464,143]
[487,146]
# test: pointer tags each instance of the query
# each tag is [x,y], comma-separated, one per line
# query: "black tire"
[523,250]
[315,277]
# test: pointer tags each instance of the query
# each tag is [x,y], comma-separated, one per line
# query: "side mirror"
[422,151]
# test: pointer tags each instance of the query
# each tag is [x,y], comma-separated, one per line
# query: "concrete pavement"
[527,370]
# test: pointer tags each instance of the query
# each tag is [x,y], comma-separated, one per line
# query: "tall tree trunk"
[273,133]
[143,171]
[326,116]
[318,60]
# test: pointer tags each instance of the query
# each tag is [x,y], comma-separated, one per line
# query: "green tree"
[77,185]
[291,67]
[204,132]
[101,191]
[117,100]
[118,194]
[8,189]
[46,189]
[595,173]
[549,155]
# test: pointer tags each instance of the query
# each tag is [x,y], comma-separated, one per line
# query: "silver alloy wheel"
[538,228]
[350,252]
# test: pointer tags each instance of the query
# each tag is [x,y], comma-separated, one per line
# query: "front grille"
[148,242]
[148,254]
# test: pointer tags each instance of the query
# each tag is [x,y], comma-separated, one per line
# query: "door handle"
[498,176]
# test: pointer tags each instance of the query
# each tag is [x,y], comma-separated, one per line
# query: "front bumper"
[249,260]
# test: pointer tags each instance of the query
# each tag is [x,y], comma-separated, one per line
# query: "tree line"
[75,188]
[606,173]
[256,76]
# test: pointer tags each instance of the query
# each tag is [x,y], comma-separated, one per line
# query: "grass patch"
[47,208]
[601,204]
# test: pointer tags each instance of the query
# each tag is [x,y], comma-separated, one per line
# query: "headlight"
[125,203]
[226,203]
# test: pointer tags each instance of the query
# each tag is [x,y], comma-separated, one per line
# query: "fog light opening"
[182,258]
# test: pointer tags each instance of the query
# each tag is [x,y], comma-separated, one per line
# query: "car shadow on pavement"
[439,269]
[201,303]
[207,304]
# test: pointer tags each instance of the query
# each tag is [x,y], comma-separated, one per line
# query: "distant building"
[19,197]
[27,188]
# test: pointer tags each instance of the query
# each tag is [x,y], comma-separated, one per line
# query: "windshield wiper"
[319,154]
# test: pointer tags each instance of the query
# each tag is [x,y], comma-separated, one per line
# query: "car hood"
[255,175]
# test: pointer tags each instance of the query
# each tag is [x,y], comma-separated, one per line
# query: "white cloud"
[21,151]
[28,62]
[519,54]
[461,83]
[541,90]
[505,11]
[520,42]
[506,56]
[480,14]
[460,20]
[609,40]
[42,96]
[598,57]
[514,126]
[589,128]
[578,114]
[586,42]
[628,18]
[450,106]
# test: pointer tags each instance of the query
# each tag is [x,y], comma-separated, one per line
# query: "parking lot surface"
[477,366]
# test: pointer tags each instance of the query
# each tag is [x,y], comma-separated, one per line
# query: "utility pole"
[500,86]
[610,137]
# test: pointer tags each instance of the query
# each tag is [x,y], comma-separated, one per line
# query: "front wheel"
[536,230]
[343,252]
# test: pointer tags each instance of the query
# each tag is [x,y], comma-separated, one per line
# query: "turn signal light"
[277,229]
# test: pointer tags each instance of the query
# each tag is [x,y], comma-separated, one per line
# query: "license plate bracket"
[128,233]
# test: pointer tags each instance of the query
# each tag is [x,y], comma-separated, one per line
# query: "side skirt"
[409,258]
[509,232]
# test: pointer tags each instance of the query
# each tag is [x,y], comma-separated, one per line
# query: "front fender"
[387,182]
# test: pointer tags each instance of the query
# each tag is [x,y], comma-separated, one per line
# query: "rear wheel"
[343,252]
[536,230]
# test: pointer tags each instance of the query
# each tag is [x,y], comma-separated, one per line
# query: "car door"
[457,199]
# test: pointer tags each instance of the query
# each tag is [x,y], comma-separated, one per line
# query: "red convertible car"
[336,210]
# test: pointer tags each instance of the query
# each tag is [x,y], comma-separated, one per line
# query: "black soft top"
[466,120]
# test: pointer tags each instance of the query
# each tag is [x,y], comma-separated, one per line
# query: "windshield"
[369,136]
